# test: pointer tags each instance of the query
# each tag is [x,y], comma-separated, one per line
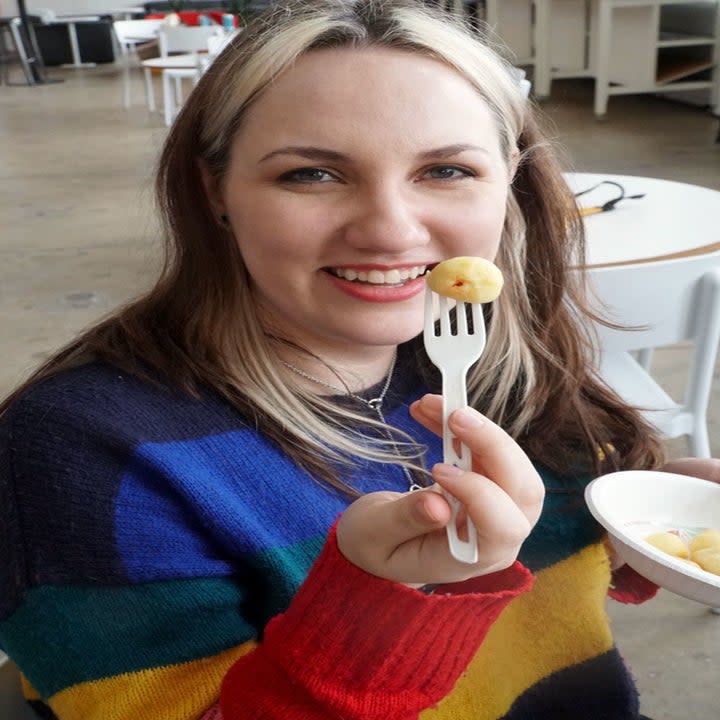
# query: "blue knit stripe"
[226,486]
[564,694]
[194,507]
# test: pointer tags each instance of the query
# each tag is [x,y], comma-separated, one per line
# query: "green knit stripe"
[68,635]
[288,566]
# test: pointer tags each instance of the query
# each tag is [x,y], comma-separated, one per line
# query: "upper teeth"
[377,277]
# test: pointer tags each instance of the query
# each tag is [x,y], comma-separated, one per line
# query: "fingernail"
[445,470]
[466,418]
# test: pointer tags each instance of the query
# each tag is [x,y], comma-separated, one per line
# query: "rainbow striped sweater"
[158,555]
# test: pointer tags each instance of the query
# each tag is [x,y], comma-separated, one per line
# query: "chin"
[388,338]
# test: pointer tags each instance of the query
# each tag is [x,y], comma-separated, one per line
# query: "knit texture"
[156,548]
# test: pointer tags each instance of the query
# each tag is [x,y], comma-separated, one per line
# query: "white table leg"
[178,91]
[168,99]
[602,57]
[542,77]
[126,86]
[149,92]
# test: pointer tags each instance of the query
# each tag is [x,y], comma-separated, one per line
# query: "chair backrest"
[216,43]
[185,39]
[521,77]
[130,32]
[664,301]
[667,302]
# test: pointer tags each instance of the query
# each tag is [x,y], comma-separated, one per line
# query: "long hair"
[198,327]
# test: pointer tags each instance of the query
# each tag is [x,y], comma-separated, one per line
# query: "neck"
[354,374]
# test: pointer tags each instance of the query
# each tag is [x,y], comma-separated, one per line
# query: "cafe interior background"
[627,87]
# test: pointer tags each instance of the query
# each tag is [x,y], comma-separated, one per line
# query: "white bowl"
[633,504]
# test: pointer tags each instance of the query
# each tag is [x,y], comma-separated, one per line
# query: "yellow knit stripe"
[185,690]
[28,691]
[568,597]
[519,651]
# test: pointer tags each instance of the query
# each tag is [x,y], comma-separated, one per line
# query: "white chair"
[216,43]
[172,101]
[667,302]
[172,98]
[187,41]
[129,34]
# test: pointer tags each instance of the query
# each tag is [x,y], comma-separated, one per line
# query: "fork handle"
[454,398]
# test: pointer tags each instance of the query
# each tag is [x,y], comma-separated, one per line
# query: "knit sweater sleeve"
[355,646]
[628,586]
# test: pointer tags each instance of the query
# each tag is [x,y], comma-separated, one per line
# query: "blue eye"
[449,172]
[307,175]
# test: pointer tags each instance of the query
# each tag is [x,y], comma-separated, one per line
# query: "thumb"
[415,514]
[375,525]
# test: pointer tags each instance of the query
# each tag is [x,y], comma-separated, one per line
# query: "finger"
[500,458]
[498,520]
[495,454]
[428,412]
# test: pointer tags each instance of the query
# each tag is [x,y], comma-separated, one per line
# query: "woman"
[171,482]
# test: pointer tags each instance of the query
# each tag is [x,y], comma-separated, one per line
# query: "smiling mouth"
[392,277]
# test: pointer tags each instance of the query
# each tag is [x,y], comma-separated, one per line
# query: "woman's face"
[352,174]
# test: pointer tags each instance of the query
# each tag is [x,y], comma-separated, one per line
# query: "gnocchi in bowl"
[634,505]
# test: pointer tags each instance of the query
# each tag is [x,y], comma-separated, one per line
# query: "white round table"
[673,219]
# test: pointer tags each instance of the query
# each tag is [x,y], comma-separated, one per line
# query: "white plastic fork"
[453,355]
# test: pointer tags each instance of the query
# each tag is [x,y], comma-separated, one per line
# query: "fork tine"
[429,314]
[444,316]
[461,318]
[478,320]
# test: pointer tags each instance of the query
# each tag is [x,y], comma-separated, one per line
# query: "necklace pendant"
[375,403]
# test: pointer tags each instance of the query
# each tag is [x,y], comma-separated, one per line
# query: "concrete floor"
[78,238]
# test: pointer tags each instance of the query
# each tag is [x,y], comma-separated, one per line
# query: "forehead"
[341,89]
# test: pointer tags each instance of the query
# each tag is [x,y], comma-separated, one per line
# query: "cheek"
[263,239]
[277,231]
[481,231]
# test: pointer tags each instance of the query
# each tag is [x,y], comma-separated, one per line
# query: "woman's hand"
[705,468]
[402,537]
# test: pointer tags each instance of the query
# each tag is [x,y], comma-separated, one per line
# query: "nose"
[386,219]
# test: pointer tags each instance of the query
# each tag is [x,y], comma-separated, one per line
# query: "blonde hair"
[198,326]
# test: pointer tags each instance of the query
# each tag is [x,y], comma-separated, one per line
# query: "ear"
[213,189]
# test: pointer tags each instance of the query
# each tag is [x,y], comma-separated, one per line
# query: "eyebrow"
[309,152]
[317,153]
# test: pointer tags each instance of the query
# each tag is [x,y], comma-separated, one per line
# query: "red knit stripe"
[364,647]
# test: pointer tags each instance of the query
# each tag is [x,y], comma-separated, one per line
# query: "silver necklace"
[374,404]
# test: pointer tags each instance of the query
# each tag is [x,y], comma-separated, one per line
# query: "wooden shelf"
[675,68]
